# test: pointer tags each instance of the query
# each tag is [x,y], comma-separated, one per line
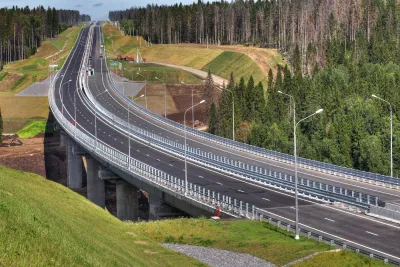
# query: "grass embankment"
[240,64]
[150,71]
[262,240]
[19,111]
[43,223]
[221,60]
[34,128]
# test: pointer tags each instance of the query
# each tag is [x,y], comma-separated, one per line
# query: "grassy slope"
[195,56]
[259,239]
[240,64]
[34,128]
[150,71]
[44,223]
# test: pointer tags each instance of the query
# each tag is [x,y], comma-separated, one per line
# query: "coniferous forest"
[23,29]
[340,53]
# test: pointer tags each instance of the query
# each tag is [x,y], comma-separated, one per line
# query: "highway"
[340,224]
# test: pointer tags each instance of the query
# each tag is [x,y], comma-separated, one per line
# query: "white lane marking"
[148,155]
[183,169]
[240,190]
[158,159]
[293,208]
[329,220]
[171,165]
[137,150]
[266,199]
[372,233]
[201,176]
[122,142]
[334,236]
[219,183]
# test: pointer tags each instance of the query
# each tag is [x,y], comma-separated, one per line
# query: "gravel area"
[218,257]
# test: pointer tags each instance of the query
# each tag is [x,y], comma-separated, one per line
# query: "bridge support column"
[74,167]
[158,209]
[63,139]
[127,201]
[95,186]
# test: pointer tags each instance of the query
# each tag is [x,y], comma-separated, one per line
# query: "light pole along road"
[391,132]
[233,110]
[184,122]
[165,97]
[297,237]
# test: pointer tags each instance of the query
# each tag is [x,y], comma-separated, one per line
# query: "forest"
[340,53]
[23,29]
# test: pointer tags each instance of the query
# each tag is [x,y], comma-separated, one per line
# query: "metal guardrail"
[305,163]
[173,184]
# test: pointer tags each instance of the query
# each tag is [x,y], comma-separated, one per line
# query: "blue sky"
[97,9]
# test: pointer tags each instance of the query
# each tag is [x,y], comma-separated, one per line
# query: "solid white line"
[266,199]
[372,233]
[335,236]
[329,219]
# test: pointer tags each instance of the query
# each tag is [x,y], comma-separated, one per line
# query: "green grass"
[34,128]
[45,224]
[18,82]
[340,259]
[165,73]
[3,75]
[259,239]
[240,64]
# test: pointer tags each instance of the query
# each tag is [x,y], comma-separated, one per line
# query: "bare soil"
[8,81]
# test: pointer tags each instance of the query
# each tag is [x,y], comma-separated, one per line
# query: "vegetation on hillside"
[259,239]
[1,127]
[167,74]
[45,224]
[34,128]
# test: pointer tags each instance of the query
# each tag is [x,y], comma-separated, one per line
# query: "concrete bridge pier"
[74,166]
[63,138]
[158,209]
[95,186]
[127,201]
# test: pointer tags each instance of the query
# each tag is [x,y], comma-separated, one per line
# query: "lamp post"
[62,96]
[191,86]
[391,132]
[145,87]
[295,157]
[95,117]
[233,111]
[184,122]
[165,98]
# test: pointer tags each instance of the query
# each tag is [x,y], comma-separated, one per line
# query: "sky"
[97,9]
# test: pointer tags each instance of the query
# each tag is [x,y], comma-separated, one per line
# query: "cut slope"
[240,64]
[44,223]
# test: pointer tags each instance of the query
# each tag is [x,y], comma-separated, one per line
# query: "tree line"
[23,29]
[283,24]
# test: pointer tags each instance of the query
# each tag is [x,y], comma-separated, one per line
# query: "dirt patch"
[13,126]
[150,252]
[144,243]
[131,233]
[8,81]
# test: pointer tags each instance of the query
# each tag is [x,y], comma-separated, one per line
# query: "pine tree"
[209,95]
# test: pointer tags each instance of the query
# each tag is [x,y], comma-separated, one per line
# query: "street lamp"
[165,97]
[145,87]
[391,132]
[62,96]
[233,111]
[191,86]
[184,122]
[95,116]
[295,157]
